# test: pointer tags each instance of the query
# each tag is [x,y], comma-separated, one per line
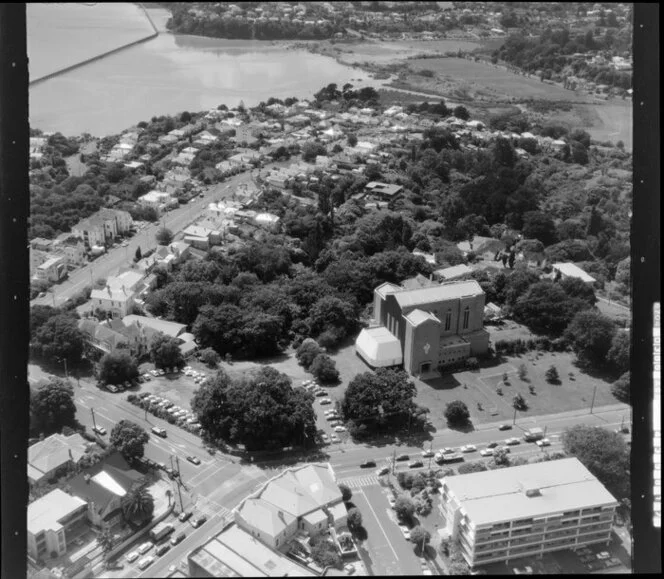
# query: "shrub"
[324,369]
[346,493]
[523,372]
[457,414]
[472,363]
[210,357]
[307,352]
[552,376]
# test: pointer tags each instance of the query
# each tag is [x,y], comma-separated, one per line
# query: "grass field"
[387,52]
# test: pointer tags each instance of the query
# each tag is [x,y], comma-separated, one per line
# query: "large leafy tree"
[621,388]
[165,352]
[334,317]
[164,236]
[381,400]
[307,352]
[546,307]
[324,369]
[117,367]
[129,438]
[591,334]
[604,453]
[261,412]
[457,414]
[53,407]
[619,352]
[576,288]
[539,225]
[138,505]
[59,337]
[39,315]
[404,507]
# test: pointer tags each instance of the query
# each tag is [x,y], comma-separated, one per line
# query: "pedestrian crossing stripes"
[360,481]
[211,508]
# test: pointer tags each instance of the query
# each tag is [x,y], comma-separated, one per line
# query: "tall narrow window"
[448,320]
[466,317]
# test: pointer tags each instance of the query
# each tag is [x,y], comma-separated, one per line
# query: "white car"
[512,441]
[447,451]
[544,442]
[154,373]
[131,557]
[99,430]
[145,547]
[334,438]
[428,453]
[486,452]
[146,562]
[340,428]
[468,448]
[405,531]
[392,501]
[325,437]
[326,401]
[161,372]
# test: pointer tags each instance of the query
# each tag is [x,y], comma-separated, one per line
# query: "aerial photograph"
[329,289]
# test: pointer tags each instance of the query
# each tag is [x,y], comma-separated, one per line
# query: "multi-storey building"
[50,518]
[526,511]
[102,227]
[435,326]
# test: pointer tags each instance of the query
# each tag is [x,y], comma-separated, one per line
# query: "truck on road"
[533,434]
[448,458]
[160,531]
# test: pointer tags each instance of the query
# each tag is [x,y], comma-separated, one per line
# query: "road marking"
[360,481]
[381,526]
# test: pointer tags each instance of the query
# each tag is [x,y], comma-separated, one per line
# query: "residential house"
[119,295]
[50,519]
[157,200]
[47,457]
[72,248]
[526,511]
[201,237]
[102,227]
[570,270]
[52,270]
[384,191]
[103,486]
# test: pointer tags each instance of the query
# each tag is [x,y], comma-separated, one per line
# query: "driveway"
[385,551]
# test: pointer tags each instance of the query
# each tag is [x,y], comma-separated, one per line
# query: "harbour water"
[166,75]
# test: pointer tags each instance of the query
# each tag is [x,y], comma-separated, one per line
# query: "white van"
[146,562]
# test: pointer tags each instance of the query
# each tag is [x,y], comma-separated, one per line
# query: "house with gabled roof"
[47,457]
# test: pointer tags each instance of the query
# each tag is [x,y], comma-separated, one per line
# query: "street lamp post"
[592,403]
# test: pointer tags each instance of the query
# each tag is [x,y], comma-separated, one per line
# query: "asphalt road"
[119,256]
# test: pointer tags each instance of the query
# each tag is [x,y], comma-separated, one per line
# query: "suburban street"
[119,256]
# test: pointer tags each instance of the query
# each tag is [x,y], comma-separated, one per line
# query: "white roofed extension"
[379,348]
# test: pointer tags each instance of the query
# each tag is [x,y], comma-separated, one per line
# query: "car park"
[544,442]
[194,460]
[486,452]
[512,441]
[416,464]
[468,448]
[131,557]
[145,547]
[402,457]
[505,427]
[99,430]
[145,563]
[382,470]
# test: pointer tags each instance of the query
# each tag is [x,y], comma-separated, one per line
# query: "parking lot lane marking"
[381,526]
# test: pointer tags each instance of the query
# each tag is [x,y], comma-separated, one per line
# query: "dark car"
[184,516]
[416,464]
[403,457]
[368,464]
[175,539]
[505,427]
[492,445]
[162,549]
[194,460]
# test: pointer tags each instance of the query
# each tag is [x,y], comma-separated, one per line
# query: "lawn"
[573,393]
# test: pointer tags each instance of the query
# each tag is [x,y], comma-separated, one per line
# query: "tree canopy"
[604,453]
[621,388]
[52,406]
[59,338]
[165,352]
[117,367]
[261,412]
[591,334]
[129,438]
[138,505]
[457,414]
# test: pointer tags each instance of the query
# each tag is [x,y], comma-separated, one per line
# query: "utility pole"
[180,495]
[394,460]
[514,419]
[92,410]
[592,403]
[431,456]
[177,461]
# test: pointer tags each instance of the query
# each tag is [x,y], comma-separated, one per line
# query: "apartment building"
[526,511]
[102,227]
[49,520]
[435,326]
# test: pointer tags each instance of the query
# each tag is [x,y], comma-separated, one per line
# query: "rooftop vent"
[533,492]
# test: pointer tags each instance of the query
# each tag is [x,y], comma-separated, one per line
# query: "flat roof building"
[571,270]
[526,511]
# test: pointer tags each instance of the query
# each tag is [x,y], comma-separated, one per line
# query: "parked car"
[161,372]
[325,437]
[159,431]
[194,460]
[145,563]
[175,539]
[183,516]
[147,377]
[340,428]
[428,453]
[505,427]
[406,532]
[162,549]
[368,464]
[486,452]
[468,448]
[512,441]
[112,388]
[544,442]
[416,464]
[447,451]
[492,445]
[145,547]
[131,557]
[334,438]
[319,393]
[326,401]
[402,457]
[99,430]
[392,501]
